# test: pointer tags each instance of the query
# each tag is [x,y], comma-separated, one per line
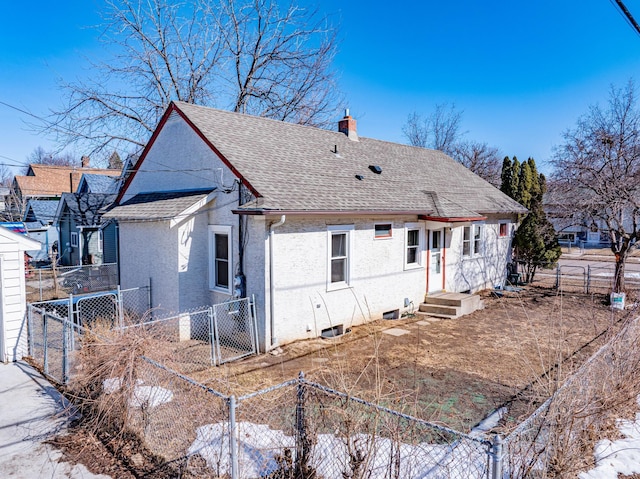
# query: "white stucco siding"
[256,270]
[150,250]
[378,280]
[192,262]
[485,269]
[179,160]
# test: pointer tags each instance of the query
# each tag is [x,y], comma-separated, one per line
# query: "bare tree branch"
[262,57]
[441,130]
[597,173]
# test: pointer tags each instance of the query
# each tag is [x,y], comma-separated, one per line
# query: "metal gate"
[102,307]
[235,331]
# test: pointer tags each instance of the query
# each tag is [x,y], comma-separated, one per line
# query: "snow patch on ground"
[147,396]
[259,446]
[621,456]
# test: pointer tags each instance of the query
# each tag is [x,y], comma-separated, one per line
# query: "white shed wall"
[13,300]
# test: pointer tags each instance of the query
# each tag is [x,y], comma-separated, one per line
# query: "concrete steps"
[450,305]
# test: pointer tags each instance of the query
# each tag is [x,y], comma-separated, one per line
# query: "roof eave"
[355,212]
[452,219]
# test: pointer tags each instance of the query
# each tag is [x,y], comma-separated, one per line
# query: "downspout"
[240,273]
[272,308]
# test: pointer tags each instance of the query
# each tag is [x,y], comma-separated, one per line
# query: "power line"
[627,14]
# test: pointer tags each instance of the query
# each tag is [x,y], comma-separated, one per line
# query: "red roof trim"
[146,149]
[459,219]
[216,151]
[170,109]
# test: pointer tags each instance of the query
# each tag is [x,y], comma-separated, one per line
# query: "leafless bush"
[558,440]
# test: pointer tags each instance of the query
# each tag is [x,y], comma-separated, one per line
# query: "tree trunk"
[618,281]
[621,250]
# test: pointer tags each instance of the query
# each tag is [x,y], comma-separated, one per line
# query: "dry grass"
[518,351]
[585,403]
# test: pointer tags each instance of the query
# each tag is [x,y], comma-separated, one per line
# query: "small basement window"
[383,230]
[395,314]
[334,331]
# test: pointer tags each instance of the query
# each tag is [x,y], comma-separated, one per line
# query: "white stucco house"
[13,329]
[324,228]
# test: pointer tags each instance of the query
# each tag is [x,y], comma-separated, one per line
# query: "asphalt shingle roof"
[157,206]
[101,183]
[49,180]
[41,210]
[294,167]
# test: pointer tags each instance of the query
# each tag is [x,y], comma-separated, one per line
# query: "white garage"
[13,326]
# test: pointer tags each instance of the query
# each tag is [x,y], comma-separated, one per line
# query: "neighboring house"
[5,192]
[573,227]
[103,184]
[84,237]
[324,228]
[49,182]
[13,330]
[38,218]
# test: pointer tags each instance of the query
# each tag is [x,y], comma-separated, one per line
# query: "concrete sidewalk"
[32,411]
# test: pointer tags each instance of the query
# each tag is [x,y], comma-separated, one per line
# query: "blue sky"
[521,72]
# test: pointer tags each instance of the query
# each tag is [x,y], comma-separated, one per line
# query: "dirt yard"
[454,372]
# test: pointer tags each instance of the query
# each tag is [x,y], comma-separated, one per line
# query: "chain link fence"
[295,429]
[587,278]
[48,283]
[301,429]
[557,440]
[197,339]
[304,429]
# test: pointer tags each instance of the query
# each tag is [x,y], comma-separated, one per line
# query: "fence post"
[496,457]
[254,322]
[65,352]
[45,347]
[70,316]
[233,437]
[40,282]
[302,443]
[150,299]
[120,308]
[558,277]
[588,278]
[30,328]
[212,338]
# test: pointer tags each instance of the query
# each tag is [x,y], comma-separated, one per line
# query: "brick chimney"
[85,161]
[348,126]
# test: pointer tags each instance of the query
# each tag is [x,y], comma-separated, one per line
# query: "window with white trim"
[383,230]
[414,245]
[100,241]
[472,240]
[220,258]
[340,256]
[73,241]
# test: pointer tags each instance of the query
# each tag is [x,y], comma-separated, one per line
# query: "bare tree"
[484,160]
[40,156]
[597,173]
[441,130]
[263,57]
